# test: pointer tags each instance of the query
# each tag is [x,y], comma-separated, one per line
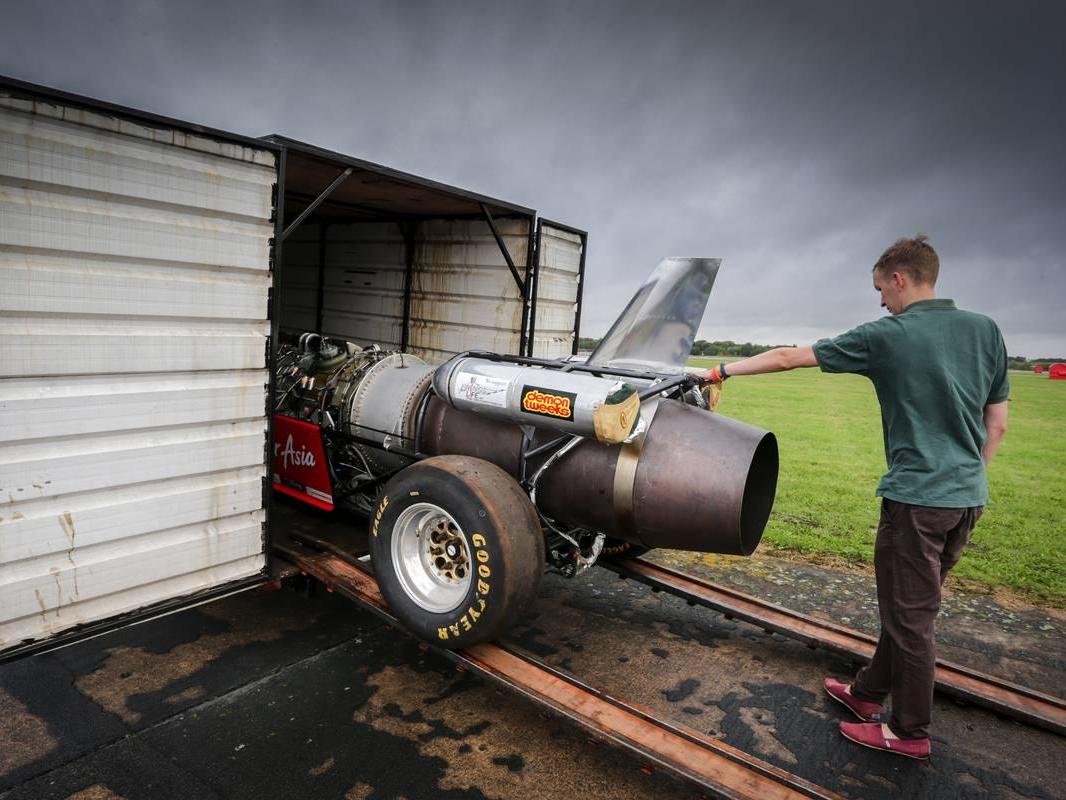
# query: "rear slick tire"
[457,549]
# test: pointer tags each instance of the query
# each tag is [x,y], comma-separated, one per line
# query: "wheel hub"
[447,550]
[431,557]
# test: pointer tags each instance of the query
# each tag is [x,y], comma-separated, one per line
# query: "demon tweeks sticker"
[548,402]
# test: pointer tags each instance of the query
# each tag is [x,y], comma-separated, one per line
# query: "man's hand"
[714,375]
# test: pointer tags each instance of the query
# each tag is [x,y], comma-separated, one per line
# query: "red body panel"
[300,467]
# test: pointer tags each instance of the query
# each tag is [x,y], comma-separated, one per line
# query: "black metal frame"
[274,313]
[666,380]
[535,260]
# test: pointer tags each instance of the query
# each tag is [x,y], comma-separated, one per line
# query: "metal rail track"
[687,754]
[1007,698]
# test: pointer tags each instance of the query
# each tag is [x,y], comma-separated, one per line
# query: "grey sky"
[794,140]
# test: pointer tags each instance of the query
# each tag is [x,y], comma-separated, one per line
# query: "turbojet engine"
[480,473]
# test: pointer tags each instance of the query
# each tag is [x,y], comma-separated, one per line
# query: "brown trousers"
[916,547]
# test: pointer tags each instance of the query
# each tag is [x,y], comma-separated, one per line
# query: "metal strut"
[503,249]
[316,202]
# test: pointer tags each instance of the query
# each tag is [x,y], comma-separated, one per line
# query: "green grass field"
[829,432]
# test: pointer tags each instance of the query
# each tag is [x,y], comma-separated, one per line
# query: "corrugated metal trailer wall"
[463,295]
[134,277]
[363,282]
[298,280]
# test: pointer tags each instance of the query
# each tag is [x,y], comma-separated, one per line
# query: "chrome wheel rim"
[431,558]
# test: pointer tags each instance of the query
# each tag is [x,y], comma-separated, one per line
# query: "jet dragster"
[479,474]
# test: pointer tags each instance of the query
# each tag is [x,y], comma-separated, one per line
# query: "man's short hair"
[914,256]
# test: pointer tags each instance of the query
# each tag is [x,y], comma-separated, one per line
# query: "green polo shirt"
[935,367]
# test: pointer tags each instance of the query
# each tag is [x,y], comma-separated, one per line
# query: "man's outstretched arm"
[780,359]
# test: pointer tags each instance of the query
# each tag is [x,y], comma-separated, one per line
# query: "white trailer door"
[560,268]
[134,277]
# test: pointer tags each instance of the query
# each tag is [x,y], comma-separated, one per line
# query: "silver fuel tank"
[604,409]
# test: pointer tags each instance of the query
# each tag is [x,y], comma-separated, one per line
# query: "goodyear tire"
[457,549]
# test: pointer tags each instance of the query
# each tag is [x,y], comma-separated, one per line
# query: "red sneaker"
[870,735]
[867,712]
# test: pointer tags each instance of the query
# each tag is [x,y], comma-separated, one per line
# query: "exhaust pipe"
[695,481]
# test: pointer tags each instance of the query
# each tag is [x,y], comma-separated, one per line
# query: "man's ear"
[900,280]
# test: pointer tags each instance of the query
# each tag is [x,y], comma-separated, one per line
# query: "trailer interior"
[378,257]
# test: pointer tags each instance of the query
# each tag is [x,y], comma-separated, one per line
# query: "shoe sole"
[855,713]
[889,750]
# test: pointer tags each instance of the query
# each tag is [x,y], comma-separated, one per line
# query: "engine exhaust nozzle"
[696,481]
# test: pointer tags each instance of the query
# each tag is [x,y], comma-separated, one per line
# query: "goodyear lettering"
[379,513]
[547,403]
[476,610]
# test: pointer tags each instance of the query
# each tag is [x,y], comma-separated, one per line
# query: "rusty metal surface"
[448,431]
[684,752]
[1015,701]
[717,499]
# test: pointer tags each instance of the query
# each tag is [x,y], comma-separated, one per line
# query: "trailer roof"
[372,191]
[46,93]
[375,191]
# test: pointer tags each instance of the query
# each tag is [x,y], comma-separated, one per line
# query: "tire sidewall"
[481,613]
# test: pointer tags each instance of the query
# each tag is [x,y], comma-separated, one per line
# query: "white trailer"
[148,268]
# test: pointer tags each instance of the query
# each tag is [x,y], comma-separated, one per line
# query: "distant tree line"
[1021,362]
[730,348]
[702,347]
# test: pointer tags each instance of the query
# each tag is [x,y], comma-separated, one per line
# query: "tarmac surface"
[281,694]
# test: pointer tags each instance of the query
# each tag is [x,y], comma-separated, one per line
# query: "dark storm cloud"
[794,140]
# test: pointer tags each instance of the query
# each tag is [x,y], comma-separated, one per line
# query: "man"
[941,378]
